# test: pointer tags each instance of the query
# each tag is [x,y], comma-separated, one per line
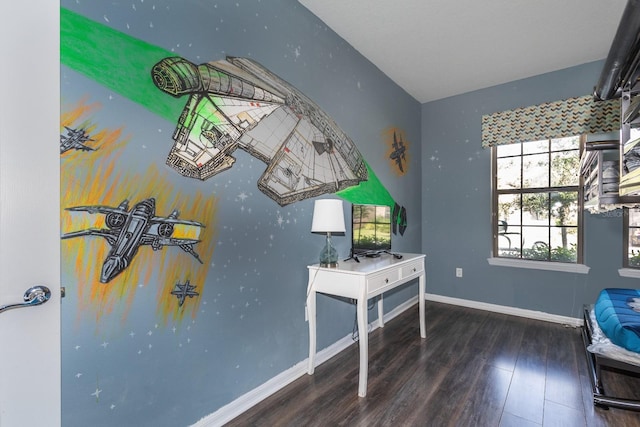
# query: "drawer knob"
[386,280]
[414,269]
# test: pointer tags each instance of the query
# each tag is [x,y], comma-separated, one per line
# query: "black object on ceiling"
[621,66]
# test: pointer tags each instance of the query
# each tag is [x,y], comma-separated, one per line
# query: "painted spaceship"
[237,103]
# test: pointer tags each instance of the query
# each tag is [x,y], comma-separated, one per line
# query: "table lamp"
[328,218]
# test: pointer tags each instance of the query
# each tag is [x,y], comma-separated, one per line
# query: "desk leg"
[380,312]
[363,335]
[421,291]
[311,312]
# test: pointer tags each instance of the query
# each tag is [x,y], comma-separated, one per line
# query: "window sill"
[541,265]
[629,272]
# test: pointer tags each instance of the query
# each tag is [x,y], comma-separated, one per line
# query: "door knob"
[33,296]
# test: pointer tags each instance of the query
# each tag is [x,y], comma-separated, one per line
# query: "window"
[631,221]
[537,198]
[632,238]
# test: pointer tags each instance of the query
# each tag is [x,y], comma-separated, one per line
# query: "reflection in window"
[536,200]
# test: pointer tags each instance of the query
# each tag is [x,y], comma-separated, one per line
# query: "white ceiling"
[434,49]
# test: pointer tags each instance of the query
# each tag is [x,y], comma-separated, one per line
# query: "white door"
[29,211]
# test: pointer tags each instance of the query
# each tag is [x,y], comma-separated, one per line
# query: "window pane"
[509,172]
[535,171]
[564,243]
[509,210]
[509,241]
[564,168]
[569,143]
[511,234]
[536,209]
[508,150]
[535,243]
[535,147]
[633,237]
[634,247]
[564,237]
[564,208]
[535,233]
[634,217]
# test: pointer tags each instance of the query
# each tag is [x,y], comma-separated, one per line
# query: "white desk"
[360,281]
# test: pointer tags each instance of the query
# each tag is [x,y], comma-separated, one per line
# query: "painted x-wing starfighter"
[127,230]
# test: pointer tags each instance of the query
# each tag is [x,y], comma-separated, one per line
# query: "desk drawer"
[377,281]
[412,268]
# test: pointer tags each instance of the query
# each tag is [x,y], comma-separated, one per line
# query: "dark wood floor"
[475,368]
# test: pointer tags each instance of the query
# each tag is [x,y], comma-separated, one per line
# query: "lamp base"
[329,254]
[329,264]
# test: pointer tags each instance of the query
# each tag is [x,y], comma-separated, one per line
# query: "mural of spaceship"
[128,229]
[237,103]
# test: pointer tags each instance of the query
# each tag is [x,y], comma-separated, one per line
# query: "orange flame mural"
[93,178]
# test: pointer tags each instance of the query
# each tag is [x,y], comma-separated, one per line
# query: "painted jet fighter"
[127,230]
[75,138]
[238,103]
[184,291]
[398,153]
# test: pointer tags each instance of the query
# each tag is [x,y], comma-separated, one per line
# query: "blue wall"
[456,205]
[250,324]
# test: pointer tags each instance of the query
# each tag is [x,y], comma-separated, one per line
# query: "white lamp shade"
[328,216]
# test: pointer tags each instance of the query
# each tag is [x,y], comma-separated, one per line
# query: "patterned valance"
[573,116]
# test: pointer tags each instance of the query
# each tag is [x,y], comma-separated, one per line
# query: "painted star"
[184,291]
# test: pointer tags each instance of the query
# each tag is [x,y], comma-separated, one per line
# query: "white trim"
[629,272]
[258,394]
[539,265]
[503,309]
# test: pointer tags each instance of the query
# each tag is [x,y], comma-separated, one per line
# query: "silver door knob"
[33,296]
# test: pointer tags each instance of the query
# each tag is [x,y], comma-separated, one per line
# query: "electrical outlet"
[458,272]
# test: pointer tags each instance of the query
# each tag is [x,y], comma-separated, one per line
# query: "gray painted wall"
[456,205]
[251,325]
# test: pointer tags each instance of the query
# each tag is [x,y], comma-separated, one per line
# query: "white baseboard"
[258,394]
[503,309]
